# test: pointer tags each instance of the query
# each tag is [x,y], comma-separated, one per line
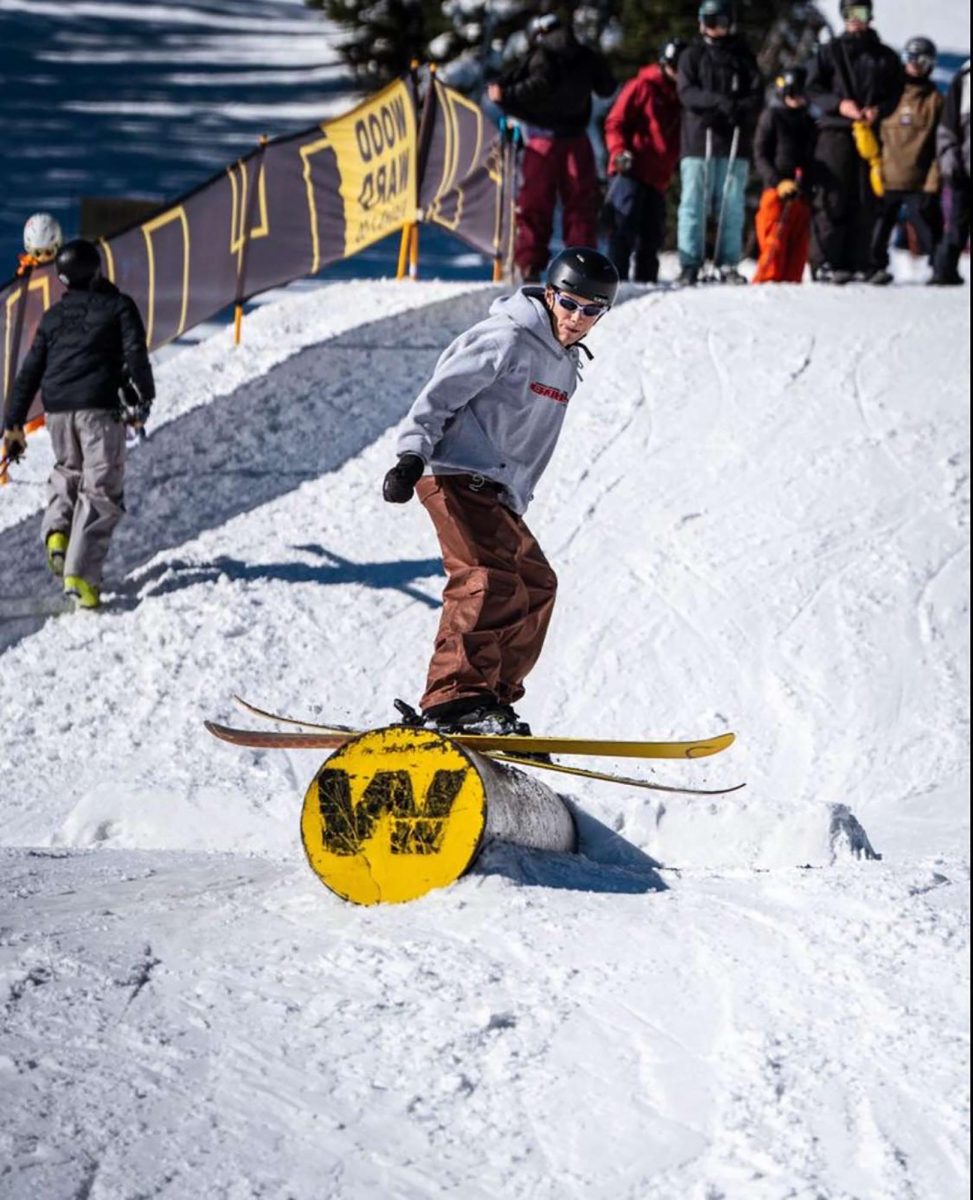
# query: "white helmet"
[42,236]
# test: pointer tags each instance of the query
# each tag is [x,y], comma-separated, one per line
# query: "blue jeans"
[695,205]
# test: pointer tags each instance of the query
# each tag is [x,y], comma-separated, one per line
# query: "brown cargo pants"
[499,592]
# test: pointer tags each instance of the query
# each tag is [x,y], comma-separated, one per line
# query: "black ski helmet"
[540,26]
[922,52]
[77,263]
[586,272]
[717,12]
[791,82]
[669,54]
[848,5]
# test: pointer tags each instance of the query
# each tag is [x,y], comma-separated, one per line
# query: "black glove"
[727,109]
[133,411]
[400,482]
[622,162]
[14,443]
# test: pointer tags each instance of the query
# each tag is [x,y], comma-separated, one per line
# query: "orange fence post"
[245,234]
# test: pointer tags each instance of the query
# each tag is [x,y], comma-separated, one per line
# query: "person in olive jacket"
[721,93]
[854,81]
[89,346]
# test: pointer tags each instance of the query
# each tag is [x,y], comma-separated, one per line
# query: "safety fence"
[292,206]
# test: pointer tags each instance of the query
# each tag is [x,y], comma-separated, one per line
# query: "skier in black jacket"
[88,347]
[549,93]
[720,90]
[854,81]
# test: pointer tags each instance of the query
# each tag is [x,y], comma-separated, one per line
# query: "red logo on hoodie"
[552,393]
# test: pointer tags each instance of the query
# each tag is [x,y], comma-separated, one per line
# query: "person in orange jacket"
[784,156]
[642,140]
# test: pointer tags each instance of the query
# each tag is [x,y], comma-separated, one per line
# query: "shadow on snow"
[305,418]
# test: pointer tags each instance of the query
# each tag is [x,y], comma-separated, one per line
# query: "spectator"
[855,81]
[550,94]
[719,86]
[642,140]
[784,153]
[909,167]
[87,346]
[42,240]
[953,147]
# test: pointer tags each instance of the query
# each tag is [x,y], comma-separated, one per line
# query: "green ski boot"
[85,595]
[57,547]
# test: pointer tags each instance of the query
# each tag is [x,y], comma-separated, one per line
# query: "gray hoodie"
[496,400]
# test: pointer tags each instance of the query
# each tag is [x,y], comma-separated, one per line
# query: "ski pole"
[734,145]
[707,163]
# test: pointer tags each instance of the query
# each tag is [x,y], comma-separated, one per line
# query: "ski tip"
[711,745]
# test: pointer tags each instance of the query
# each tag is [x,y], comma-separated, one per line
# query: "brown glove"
[14,443]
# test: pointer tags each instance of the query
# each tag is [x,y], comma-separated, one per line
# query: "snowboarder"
[953,148]
[549,93]
[42,240]
[909,167]
[642,140]
[854,81]
[720,90]
[88,346]
[784,153]
[474,444]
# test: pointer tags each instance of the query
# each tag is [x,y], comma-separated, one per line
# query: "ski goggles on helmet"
[925,62]
[587,310]
[856,12]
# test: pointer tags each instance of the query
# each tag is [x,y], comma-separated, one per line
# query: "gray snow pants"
[84,491]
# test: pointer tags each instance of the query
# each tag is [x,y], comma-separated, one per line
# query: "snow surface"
[759,514]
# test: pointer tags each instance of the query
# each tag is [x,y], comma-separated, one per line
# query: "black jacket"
[953,135]
[783,146]
[552,87]
[855,66]
[86,345]
[719,86]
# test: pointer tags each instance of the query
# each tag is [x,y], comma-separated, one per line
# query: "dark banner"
[289,208]
[286,210]
[463,171]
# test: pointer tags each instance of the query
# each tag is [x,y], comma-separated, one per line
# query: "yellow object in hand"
[866,143]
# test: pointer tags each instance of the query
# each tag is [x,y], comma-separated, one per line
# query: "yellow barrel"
[396,812]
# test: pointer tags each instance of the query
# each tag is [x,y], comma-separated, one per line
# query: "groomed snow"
[759,514]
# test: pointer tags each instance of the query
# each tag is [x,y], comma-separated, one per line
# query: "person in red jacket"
[642,140]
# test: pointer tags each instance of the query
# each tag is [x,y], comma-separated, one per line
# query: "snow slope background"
[759,516]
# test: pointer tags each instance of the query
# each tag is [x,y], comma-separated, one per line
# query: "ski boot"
[483,715]
[732,275]
[56,546]
[84,594]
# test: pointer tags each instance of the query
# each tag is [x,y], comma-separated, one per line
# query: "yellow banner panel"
[375,147]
